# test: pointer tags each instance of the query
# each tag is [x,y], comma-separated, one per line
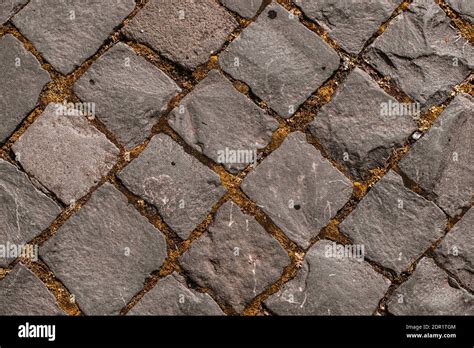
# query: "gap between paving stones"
[280,133]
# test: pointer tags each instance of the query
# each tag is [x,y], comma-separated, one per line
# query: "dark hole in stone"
[92,82]
[173,164]
[272,14]
[324,68]
[297,206]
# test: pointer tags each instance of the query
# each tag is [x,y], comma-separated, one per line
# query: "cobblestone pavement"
[246,157]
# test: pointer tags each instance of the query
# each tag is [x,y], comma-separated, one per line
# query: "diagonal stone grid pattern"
[114,174]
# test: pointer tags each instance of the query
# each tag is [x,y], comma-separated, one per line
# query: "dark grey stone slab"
[8,8]
[104,253]
[245,8]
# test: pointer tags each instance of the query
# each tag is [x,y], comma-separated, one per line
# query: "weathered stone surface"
[172,297]
[442,162]
[281,60]
[21,80]
[22,293]
[350,23]
[328,285]
[429,292]
[237,259]
[183,189]
[68,32]
[185,31]
[394,224]
[463,7]
[456,252]
[8,8]
[354,128]
[129,93]
[422,53]
[104,253]
[24,210]
[65,153]
[298,188]
[216,117]
[245,8]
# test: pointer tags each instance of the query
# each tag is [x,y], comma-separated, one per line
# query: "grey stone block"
[394,224]
[129,93]
[464,7]
[349,23]
[354,128]
[183,189]
[423,54]
[22,293]
[172,297]
[185,31]
[429,292]
[328,285]
[217,120]
[456,252]
[65,153]
[68,32]
[25,211]
[245,8]
[281,60]
[8,8]
[21,80]
[104,253]
[237,259]
[298,188]
[442,162]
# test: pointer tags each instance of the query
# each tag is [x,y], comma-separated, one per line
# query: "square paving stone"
[349,23]
[442,162]
[68,32]
[129,93]
[186,31]
[429,292]
[237,259]
[281,60]
[394,224]
[8,8]
[25,211]
[464,7]
[104,252]
[183,189]
[355,130]
[456,252]
[329,285]
[22,293]
[217,120]
[21,80]
[245,8]
[423,53]
[65,153]
[171,296]
[298,188]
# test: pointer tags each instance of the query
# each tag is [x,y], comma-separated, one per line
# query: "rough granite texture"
[423,53]
[65,153]
[429,292]
[354,130]
[25,211]
[298,189]
[442,162]
[129,93]
[172,297]
[281,60]
[330,286]
[186,31]
[236,258]
[215,117]
[21,80]
[68,32]
[349,23]
[9,7]
[395,225]
[22,293]
[456,252]
[245,8]
[108,232]
[183,189]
